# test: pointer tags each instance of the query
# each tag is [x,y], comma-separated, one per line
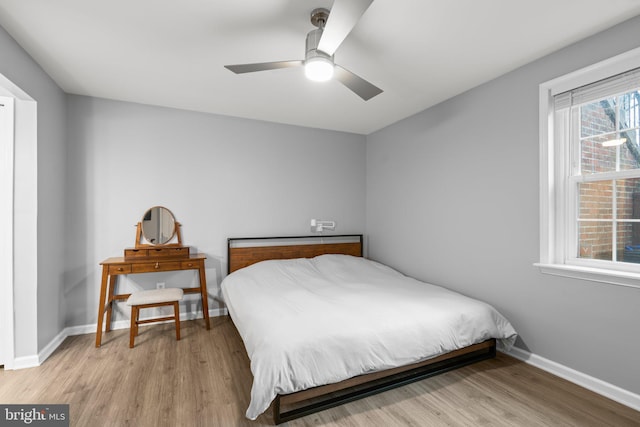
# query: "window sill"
[619,278]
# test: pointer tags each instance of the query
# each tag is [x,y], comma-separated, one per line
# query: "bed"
[323,326]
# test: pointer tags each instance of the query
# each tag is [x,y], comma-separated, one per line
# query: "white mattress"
[310,322]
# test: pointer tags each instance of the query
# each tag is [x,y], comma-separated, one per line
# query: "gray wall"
[452,198]
[220,176]
[39,204]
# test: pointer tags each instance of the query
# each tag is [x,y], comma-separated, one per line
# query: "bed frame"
[245,251]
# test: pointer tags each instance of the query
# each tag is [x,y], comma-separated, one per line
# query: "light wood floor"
[204,380]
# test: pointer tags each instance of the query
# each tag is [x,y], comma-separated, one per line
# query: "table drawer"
[120,269]
[135,253]
[147,267]
[190,264]
[169,252]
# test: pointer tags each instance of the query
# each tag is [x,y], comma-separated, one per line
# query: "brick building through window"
[609,209]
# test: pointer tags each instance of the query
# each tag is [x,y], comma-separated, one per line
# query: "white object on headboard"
[319,226]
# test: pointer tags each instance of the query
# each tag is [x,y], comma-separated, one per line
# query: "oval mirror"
[158,225]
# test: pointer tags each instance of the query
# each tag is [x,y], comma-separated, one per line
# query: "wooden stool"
[154,298]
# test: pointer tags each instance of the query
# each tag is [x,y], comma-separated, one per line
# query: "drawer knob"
[120,269]
[190,264]
[157,265]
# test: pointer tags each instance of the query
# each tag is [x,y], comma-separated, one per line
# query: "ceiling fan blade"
[343,17]
[358,85]
[262,66]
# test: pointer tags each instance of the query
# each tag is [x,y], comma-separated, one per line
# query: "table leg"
[112,286]
[204,294]
[103,295]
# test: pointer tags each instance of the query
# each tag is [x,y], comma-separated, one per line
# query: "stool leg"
[134,324]
[137,320]
[176,313]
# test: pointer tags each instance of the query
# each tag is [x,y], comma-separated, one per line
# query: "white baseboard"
[36,360]
[51,347]
[25,362]
[603,388]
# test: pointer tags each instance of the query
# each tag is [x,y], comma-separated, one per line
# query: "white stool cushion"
[154,296]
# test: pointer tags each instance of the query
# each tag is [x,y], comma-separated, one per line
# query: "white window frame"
[554,161]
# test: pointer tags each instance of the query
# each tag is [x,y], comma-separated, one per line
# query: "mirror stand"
[140,238]
[157,228]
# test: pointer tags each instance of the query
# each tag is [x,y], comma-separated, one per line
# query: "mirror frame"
[140,236]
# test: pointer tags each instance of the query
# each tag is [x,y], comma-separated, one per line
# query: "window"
[590,172]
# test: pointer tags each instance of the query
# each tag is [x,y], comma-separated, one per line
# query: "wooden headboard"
[244,251]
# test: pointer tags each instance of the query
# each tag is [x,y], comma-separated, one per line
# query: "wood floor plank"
[204,380]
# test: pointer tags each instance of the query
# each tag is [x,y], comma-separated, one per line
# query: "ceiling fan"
[332,28]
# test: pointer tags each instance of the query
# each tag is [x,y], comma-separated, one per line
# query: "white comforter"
[310,322]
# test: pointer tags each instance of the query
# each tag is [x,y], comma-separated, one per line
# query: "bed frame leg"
[276,411]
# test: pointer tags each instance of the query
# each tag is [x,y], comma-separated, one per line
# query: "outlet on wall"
[160,285]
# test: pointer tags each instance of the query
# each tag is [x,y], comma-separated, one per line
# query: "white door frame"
[25,122]
[7,340]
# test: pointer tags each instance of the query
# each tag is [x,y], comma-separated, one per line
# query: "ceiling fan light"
[318,69]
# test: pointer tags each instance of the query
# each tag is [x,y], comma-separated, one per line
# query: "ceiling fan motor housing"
[313,38]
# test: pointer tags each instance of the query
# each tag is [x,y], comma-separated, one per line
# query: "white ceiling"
[171,53]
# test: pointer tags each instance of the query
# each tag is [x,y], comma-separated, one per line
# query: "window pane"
[629,151]
[628,247]
[595,203]
[615,118]
[598,117]
[628,198]
[628,207]
[595,240]
[595,200]
[629,111]
[595,157]
[629,121]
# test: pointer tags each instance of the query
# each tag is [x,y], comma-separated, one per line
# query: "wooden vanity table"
[149,259]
